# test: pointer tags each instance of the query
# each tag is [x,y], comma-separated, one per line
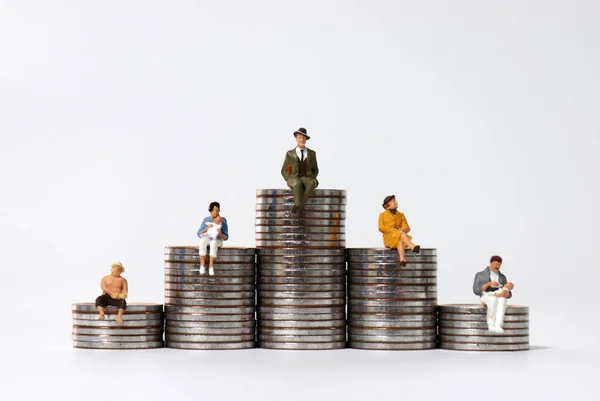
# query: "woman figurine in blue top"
[208,238]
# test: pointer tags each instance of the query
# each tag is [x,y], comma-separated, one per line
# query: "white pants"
[496,306]
[214,245]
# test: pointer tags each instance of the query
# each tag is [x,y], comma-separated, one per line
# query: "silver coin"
[266,207]
[391,333]
[393,339]
[210,294]
[210,287]
[403,307]
[299,229]
[223,252]
[302,287]
[480,310]
[302,338]
[197,278]
[300,244]
[373,280]
[209,319]
[208,331]
[210,346]
[301,295]
[237,268]
[480,318]
[208,302]
[301,267]
[480,325]
[282,251]
[116,338]
[220,275]
[117,345]
[301,281]
[131,316]
[390,294]
[400,274]
[412,260]
[269,331]
[391,288]
[483,347]
[302,346]
[388,346]
[221,259]
[289,200]
[200,324]
[497,339]
[300,236]
[132,307]
[410,315]
[213,338]
[307,217]
[286,221]
[317,319]
[391,303]
[99,331]
[172,310]
[264,301]
[303,324]
[370,324]
[385,252]
[301,309]
[112,323]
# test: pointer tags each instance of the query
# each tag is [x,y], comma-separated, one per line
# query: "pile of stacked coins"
[142,327]
[391,307]
[464,328]
[301,270]
[210,312]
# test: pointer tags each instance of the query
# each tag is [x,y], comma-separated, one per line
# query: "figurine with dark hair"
[208,236]
[494,290]
[395,229]
[114,292]
[300,169]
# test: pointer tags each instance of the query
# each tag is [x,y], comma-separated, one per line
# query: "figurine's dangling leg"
[500,309]
[120,315]
[101,311]
[401,255]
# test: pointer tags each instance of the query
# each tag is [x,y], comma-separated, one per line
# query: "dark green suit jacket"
[290,165]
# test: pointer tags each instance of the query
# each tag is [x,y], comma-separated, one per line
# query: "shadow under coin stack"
[464,328]
[392,307]
[142,327]
[301,270]
[210,312]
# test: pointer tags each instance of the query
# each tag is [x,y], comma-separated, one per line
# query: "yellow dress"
[389,225]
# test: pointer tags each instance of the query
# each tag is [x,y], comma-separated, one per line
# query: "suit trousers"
[302,187]
[496,306]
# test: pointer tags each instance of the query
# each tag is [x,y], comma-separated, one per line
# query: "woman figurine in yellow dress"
[395,229]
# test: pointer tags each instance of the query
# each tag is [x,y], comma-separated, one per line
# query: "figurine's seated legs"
[101,312]
[500,310]
[297,186]
[204,241]
[309,186]
[491,301]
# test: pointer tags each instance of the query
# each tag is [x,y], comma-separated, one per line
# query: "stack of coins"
[301,270]
[142,327]
[391,307]
[210,312]
[464,328]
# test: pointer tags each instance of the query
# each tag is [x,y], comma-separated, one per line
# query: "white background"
[121,120]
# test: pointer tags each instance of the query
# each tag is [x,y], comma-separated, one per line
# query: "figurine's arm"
[316,166]
[203,228]
[405,227]
[224,231]
[385,225]
[286,169]
[479,285]
[125,290]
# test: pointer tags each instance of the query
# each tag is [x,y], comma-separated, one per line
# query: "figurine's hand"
[493,284]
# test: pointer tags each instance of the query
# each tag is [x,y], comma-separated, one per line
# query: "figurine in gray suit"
[494,290]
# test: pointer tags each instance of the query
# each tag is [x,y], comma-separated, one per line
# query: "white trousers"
[496,306]
[214,246]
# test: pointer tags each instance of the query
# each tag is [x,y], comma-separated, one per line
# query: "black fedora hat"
[301,131]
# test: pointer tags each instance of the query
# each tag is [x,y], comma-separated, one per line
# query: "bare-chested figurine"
[114,292]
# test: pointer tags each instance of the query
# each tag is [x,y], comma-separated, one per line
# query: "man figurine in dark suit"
[300,169]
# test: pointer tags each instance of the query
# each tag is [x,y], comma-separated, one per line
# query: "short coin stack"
[301,270]
[210,312]
[464,328]
[391,307]
[142,327]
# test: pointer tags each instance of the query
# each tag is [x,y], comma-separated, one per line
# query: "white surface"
[482,117]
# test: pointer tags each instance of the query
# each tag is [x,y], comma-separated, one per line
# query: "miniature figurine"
[114,292]
[300,170]
[395,229]
[213,232]
[494,290]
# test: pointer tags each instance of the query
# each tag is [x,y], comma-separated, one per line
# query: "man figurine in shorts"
[494,290]
[114,292]
[300,170]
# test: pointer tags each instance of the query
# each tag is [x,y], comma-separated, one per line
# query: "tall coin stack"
[142,327]
[210,312]
[391,307]
[464,328]
[301,270]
